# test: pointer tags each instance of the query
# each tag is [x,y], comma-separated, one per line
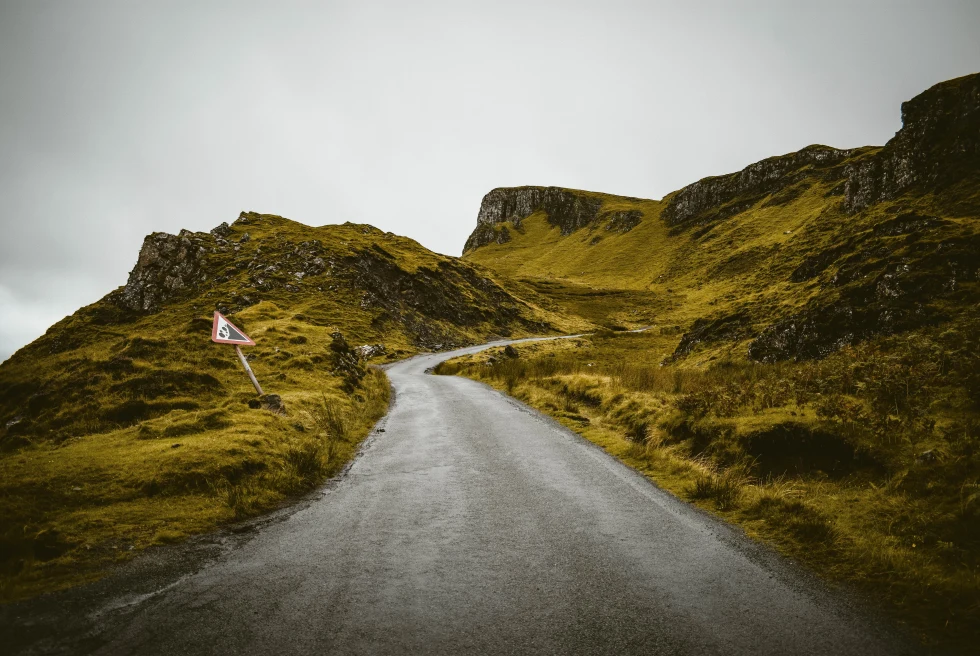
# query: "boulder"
[368,351]
[273,403]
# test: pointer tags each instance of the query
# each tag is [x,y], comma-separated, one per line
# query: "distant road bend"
[473,524]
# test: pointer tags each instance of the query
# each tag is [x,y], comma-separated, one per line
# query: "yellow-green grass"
[121,429]
[73,506]
[655,274]
[732,438]
[686,276]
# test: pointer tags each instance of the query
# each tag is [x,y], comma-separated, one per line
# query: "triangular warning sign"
[225,332]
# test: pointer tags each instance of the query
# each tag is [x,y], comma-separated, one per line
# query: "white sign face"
[225,332]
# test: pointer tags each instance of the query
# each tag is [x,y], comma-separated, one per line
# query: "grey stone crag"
[167,266]
[431,303]
[567,209]
[707,199]
[939,139]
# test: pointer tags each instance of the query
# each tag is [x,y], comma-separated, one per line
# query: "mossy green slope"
[125,426]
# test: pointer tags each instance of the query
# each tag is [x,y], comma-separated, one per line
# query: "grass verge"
[865,466]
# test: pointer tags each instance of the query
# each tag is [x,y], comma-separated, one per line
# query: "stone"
[623,221]
[273,403]
[315,266]
[705,199]
[368,351]
[511,352]
[221,230]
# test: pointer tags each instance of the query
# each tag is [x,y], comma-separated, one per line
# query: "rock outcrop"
[431,303]
[567,209]
[167,266]
[939,141]
[722,196]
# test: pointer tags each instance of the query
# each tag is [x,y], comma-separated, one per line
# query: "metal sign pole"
[248,369]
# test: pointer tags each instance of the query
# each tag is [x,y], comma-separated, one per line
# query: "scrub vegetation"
[125,426]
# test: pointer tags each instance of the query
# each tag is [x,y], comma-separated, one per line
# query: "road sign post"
[225,332]
[248,370]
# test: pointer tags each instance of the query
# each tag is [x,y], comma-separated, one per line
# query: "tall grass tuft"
[330,420]
[724,489]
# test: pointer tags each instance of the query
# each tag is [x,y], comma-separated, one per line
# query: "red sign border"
[218,340]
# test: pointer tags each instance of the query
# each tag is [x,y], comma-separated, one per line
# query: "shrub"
[637,432]
[724,489]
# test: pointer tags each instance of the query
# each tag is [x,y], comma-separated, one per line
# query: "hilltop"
[124,426]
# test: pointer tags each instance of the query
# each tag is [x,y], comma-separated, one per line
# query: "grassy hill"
[812,368]
[125,426]
[791,258]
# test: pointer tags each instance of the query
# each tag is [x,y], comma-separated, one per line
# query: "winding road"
[472,524]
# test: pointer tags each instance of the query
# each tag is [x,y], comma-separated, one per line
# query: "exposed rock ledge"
[938,143]
[751,183]
[167,265]
[566,209]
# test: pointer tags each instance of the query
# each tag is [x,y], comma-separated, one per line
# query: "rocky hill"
[568,210]
[355,280]
[793,257]
[123,425]
[813,369]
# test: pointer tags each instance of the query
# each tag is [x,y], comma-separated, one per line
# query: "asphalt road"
[471,524]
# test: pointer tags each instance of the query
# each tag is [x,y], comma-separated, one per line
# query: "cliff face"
[725,195]
[939,142]
[566,209]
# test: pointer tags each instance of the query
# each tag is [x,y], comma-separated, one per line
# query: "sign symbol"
[225,332]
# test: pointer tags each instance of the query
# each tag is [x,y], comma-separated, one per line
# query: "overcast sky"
[118,119]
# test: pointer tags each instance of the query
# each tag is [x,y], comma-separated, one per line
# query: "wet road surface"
[471,524]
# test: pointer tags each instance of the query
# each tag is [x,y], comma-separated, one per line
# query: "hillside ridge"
[793,257]
[939,135]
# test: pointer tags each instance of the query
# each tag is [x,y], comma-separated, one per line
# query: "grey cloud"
[118,119]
